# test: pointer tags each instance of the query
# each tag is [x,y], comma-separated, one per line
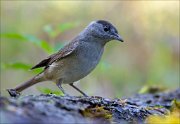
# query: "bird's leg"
[60,87]
[78,90]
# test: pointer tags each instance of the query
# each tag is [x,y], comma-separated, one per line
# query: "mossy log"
[78,109]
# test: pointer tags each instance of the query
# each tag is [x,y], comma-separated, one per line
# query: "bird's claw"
[13,93]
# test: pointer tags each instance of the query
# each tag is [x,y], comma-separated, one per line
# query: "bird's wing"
[62,53]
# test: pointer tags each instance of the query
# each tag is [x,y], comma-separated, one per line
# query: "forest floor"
[93,109]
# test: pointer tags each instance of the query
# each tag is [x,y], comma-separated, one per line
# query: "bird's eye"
[106,29]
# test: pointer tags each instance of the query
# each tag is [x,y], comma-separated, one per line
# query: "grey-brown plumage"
[76,60]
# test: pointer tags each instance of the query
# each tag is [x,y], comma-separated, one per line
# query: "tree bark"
[78,109]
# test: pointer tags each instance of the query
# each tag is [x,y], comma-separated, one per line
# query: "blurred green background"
[149,56]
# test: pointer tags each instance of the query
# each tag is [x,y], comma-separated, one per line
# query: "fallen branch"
[73,109]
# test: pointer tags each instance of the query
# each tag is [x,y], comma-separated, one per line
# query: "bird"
[75,60]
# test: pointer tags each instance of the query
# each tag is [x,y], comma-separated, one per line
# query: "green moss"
[175,105]
[97,112]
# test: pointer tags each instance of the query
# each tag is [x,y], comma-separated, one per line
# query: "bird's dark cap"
[106,23]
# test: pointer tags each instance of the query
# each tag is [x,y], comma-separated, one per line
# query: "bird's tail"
[16,91]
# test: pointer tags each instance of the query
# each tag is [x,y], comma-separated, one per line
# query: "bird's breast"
[77,65]
[89,55]
[83,61]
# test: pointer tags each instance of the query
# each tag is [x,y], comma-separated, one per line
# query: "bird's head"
[103,30]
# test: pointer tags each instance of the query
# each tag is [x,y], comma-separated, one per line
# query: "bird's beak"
[118,37]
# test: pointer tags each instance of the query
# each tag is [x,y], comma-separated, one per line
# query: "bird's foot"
[13,93]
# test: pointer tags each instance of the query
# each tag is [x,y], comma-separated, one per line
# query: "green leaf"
[144,90]
[54,31]
[16,65]
[58,46]
[66,26]
[30,38]
[49,30]
[13,36]
[19,66]
[49,91]
[41,43]
[151,89]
